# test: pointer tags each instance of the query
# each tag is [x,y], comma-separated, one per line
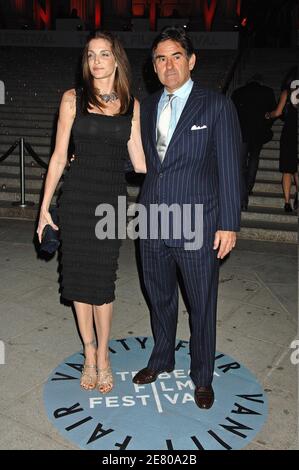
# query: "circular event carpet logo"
[161,415]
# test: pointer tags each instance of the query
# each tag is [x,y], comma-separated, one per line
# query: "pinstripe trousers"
[200,272]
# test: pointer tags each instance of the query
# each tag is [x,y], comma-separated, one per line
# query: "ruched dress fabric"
[96,176]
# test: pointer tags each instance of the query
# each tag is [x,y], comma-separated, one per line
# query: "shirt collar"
[182,92]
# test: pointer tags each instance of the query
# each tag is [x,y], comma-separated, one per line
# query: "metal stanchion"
[22,202]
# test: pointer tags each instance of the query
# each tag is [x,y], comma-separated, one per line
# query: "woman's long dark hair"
[122,82]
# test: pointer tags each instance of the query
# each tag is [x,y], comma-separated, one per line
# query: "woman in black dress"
[104,121]
[288,140]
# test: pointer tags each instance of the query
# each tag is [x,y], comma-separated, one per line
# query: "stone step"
[24,125]
[33,140]
[276,137]
[269,164]
[9,211]
[13,194]
[31,181]
[30,118]
[267,186]
[268,174]
[50,99]
[10,121]
[13,169]
[266,199]
[33,110]
[269,214]
[34,177]
[33,99]
[268,231]
[42,145]
[269,153]
[12,99]
[33,88]
[28,103]
[27,133]
[42,152]
[272,145]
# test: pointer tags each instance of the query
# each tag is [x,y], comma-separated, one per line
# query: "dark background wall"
[266,22]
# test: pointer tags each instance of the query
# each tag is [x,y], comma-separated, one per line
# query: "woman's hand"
[44,219]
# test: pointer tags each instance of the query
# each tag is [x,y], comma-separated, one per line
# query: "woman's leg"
[84,315]
[102,318]
[286,185]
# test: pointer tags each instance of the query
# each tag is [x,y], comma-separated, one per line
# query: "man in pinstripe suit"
[196,160]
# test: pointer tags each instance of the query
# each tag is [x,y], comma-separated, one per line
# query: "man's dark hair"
[177,34]
[257,77]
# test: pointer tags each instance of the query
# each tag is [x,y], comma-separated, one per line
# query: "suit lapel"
[194,103]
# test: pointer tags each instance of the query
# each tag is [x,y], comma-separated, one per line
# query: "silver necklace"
[108,96]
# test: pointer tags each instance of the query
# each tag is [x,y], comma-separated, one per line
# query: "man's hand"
[225,241]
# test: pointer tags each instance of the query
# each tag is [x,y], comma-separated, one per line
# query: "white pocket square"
[197,128]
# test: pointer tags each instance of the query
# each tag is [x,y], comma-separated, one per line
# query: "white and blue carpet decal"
[157,416]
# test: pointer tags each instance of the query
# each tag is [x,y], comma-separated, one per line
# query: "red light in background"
[42,15]
[153,15]
[244,22]
[239,7]
[98,14]
[209,13]
[138,10]
[20,6]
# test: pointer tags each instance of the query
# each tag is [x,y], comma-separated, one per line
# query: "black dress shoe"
[288,207]
[204,397]
[244,207]
[146,375]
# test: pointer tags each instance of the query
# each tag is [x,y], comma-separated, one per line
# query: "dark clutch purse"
[50,237]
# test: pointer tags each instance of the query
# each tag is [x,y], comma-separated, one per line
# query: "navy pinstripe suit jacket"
[200,166]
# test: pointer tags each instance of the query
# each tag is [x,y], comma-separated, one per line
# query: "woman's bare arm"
[281,104]
[135,144]
[58,161]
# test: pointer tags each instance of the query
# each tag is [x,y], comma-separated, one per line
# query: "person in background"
[288,159]
[74,14]
[252,101]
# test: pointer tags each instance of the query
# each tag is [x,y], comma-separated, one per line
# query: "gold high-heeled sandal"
[105,380]
[88,378]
